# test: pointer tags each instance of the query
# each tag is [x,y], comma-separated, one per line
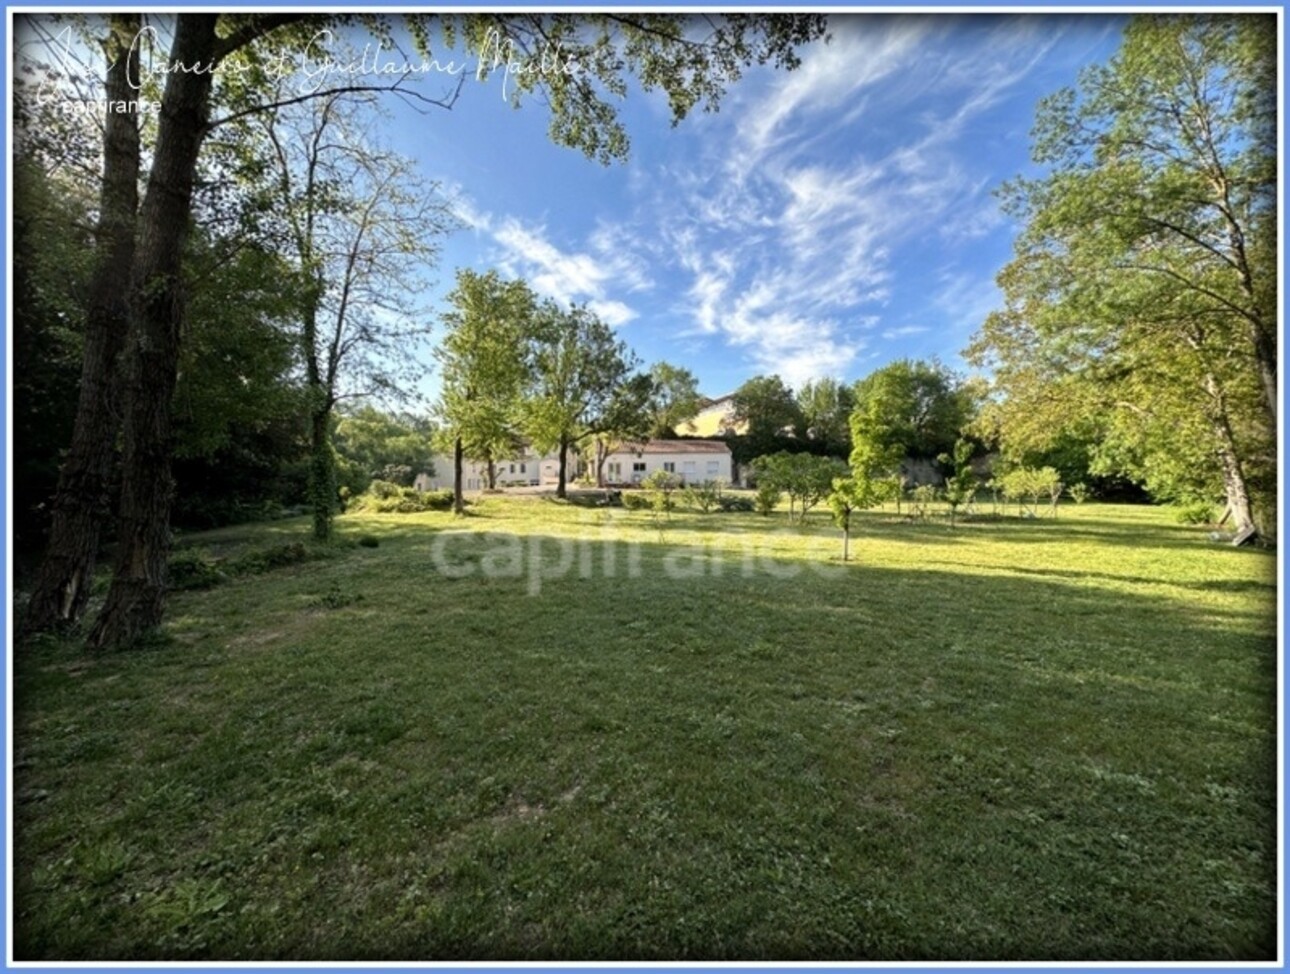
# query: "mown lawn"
[1021,739]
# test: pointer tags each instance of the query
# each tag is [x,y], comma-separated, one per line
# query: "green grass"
[1018,739]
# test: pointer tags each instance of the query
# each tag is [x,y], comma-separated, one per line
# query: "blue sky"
[823,222]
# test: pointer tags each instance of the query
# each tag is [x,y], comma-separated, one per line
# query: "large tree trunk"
[602,454]
[1234,484]
[561,490]
[492,473]
[322,471]
[151,356]
[82,501]
[458,467]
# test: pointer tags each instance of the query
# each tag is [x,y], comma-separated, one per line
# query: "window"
[638,467]
[669,466]
[688,466]
[615,469]
[714,467]
[522,468]
[512,468]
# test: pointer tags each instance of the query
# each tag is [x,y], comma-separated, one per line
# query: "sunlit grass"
[1042,739]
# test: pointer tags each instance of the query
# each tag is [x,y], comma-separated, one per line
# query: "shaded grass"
[1013,739]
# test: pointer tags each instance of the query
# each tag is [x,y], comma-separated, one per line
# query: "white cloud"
[612,313]
[790,242]
[567,276]
[904,331]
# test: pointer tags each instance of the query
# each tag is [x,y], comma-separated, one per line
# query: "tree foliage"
[486,364]
[908,409]
[1141,300]
[375,445]
[825,406]
[582,382]
[691,60]
[806,478]
[674,400]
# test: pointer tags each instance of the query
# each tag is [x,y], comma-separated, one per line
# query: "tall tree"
[361,226]
[579,371]
[82,500]
[1142,293]
[909,408]
[825,405]
[629,416]
[485,360]
[768,410]
[674,400]
[690,59]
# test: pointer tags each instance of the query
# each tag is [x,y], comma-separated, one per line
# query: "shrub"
[659,487]
[382,489]
[189,569]
[1195,512]
[257,560]
[766,499]
[369,541]
[1024,484]
[921,500]
[1078,492]
[736,504]
[635,500]
[704,497]
[386,498]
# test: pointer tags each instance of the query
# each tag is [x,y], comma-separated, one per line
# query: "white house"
[519,472]
[694,461]
[529,469]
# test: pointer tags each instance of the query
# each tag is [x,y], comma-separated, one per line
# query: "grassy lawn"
[1038,739]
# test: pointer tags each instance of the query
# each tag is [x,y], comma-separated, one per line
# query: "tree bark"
[82,500]
[561,490]
[602,454]
[492,473]
[151,356]
[322,472]
[1234,484]
[458,463]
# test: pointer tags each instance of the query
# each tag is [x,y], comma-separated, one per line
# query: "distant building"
[529,469]
[693,461]
[716,417]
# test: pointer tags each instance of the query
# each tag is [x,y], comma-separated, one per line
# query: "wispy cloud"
[796,240]
[590,276]
[904,331]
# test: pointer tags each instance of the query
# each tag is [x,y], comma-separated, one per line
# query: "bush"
[766,499]
[369,541]
[635,500]
[704,497]
[383,489]
[190,569]
[921,500]
[257,560]
[736,504]
[1078,492]
[1195,512]
[387,498]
